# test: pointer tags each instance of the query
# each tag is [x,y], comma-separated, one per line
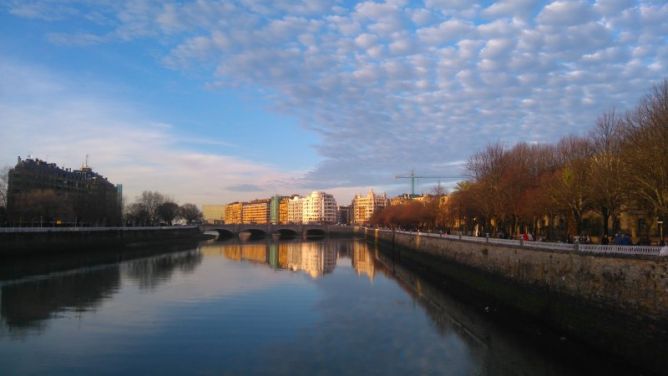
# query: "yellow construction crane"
[414,177]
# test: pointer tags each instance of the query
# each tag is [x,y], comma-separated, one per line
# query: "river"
[327,307]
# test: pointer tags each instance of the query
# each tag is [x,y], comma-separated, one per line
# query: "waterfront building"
[233,213]
[278,209]
[295,209]
[283,210]
[213,213]
[364,207]
[41,193]
[319,207]
[255,212]
[401,199]
[344,215]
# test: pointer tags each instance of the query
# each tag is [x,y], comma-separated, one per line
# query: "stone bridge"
[283,230]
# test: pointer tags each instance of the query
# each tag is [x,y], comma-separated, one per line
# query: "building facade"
[283,210]
[364,207]
[256,212]
[295,209]
[345,214]
[233,213]
[41,193]
[279,209]
[319,207]
[213,214]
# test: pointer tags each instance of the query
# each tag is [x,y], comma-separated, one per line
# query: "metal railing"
[88,229]
[632,250]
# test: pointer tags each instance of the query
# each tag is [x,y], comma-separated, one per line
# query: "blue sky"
[215,101]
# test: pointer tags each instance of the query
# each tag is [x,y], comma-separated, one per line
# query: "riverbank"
[617,305]
[31,241]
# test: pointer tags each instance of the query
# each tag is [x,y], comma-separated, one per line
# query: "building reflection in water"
[314,258]
[363,260]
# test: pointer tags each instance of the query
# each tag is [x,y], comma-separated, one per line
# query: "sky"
[217,101]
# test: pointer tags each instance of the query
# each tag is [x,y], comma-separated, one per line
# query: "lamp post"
[660,224]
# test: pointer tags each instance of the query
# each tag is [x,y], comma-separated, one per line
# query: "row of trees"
[154,208]
[578,185]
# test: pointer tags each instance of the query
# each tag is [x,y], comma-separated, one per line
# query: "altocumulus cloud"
[396,85]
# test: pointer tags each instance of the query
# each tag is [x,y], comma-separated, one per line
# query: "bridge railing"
[633,250]
[89,229]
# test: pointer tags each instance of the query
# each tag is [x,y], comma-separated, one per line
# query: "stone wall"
[83,239]
[628,283]
[618,304]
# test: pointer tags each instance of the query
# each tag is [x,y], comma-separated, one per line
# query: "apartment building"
[364,207]
[319,207]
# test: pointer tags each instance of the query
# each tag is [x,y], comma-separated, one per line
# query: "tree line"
[578,185]
[154,208]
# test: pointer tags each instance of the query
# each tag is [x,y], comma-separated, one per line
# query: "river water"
[327,307]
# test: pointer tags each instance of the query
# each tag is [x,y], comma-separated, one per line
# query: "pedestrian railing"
[88,229]
[633,250]
[621,249]
[503,241]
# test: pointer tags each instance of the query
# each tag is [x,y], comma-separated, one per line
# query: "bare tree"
[607,174]
[190,213]
[151,201]
[167,212]
[644,151]
[136,214]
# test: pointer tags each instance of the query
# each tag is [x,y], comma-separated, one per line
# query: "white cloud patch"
[396,85]
[566,13]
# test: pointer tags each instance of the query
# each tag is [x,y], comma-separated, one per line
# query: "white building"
[364,207]
[319,207]
[295,209]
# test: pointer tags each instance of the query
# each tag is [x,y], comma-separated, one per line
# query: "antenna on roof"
[84,165]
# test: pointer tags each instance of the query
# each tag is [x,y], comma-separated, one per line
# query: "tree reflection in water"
[27,306]
[29,301]
[152,272]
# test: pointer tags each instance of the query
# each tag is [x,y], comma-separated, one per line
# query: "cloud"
[49,118]
[245,188]
[565,13]
[393,86]
[510,8]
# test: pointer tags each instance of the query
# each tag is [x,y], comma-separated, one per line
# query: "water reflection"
[26,306]
[29,300]
[152,272]
[314,258]
[363,261]
[247,308]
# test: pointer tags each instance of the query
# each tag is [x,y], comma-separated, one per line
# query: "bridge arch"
[253,233]
[286,233]
[315,233]
[224,234]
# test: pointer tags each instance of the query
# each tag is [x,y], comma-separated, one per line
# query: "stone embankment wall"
[638,284]
[618,304]
[43,240]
